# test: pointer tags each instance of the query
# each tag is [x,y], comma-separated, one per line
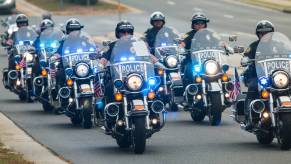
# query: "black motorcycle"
[45,84]
[208,88]
[269,114]
[168,53]
[77,96]
[133,113]
[20,75]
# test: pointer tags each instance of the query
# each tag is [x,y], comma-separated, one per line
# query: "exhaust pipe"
[112,109]
[13,74]
[158,106]
[257,106]
[38,81]
[192,89]
[64,92]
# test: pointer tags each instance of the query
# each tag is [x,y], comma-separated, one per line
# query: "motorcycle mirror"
[106,43]
[232,38]
[244,61]
[239,49]
[225,68]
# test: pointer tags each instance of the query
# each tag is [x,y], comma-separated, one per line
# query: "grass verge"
[270,4]
[9,156]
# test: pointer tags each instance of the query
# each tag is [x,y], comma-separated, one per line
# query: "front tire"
[173,106]
[139,135]
[216,109]
[285,131]
[123,142]
[265,138]
[197,115]
[46,106]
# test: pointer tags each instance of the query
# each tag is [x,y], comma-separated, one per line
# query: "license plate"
[138,105]
[28,71]
[175,76]
[85,88]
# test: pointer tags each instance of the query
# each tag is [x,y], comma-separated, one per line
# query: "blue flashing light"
[264,82]
[163,44]
[197,68]
[289,55]
[131,58]
[54,45]
[152,82]
[21,43]
[67,51]
[99,104]
[118,83]
[31,42]
[79,50]
[91,49]
[41,45]
[123,59]
[69,71]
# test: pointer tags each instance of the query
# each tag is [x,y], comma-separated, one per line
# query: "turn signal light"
[224,78]
[70,82]
[161,72]
[118,96]
[17,67]
[151,95]
[198,79]
[265,94]
[43,72]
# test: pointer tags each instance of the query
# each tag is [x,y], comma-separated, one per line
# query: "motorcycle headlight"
[82,70]
[28,57]
[134,82]
[172,61]
[211,67]
[280,79]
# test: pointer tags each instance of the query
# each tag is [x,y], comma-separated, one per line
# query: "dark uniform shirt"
[150,36]
[107,54]
[187,39]
[251,54]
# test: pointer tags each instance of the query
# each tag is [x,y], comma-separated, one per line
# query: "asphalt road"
[181,141]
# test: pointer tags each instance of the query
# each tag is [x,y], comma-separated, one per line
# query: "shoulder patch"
[248,50]
[185,36]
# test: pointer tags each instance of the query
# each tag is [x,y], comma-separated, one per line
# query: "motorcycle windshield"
[77,48]
[207,45]
[131,55]
[50,41]
[165,43]
[25,36]
[273,53]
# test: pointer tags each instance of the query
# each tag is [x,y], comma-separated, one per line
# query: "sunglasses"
[199,23]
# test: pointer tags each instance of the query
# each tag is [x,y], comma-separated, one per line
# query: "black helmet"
[264,26]
[73,25]
[46,23]
[157,16]
[21,19]
[47,16]
[199,16]
[123,26]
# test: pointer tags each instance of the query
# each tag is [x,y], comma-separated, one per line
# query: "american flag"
[98,88]
[22,63]
[236,83]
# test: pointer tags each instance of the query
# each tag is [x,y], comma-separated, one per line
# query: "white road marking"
[228,16]
[171,3]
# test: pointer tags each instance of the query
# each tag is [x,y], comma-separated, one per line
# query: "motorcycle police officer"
[199,21]
[21,21]
[250,76]
[157,20]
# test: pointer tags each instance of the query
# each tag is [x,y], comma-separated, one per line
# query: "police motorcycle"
[9,26]
[135,113]
[209,94]
[168,53]
[20,78]
[45,88]
[270,113]
[77,97]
